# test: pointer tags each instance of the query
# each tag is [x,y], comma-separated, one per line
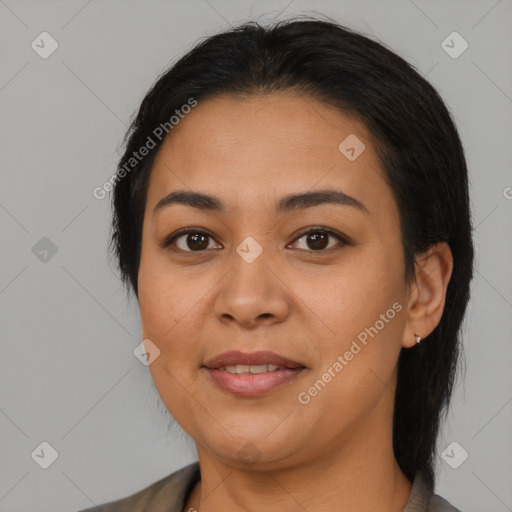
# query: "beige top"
[170,493]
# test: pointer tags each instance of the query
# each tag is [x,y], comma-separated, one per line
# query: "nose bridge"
[252,292]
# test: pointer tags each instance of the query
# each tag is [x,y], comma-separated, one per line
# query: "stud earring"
[418,338]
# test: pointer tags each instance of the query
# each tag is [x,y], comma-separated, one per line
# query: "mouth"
[244,369]
[253,374]
[258,361]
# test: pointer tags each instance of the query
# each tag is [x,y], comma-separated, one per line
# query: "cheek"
[170,321]
[354,296]
[172,309]
[363,306]
[163,298]
[155,305]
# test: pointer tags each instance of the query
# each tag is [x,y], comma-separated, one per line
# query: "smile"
[242,369]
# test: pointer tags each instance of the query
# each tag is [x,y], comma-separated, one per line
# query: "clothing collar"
[187,477]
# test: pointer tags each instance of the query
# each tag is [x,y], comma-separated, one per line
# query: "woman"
[292,214]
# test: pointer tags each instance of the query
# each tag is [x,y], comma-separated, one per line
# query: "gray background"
[68,375]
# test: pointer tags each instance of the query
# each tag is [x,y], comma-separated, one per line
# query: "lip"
[262,357]
[252,384]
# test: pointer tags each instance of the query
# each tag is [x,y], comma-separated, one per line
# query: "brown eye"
[315,240]
[318,239]
[195,242]
[190,241]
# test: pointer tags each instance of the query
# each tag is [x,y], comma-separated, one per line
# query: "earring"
[418,338]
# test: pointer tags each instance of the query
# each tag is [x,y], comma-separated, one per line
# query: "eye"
[196,240]
[317,239]
[189,240]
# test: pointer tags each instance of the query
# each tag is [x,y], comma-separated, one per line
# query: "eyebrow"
[286,204]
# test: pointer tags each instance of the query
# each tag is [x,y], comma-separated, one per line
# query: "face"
[317,281]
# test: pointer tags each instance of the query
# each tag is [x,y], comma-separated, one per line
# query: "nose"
[252,294]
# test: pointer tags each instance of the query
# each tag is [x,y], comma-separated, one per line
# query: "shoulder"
[423,499]
[438,504]
[166,495]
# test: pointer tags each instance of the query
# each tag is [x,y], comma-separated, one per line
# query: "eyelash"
[342,239]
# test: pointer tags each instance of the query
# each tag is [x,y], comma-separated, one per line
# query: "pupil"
[318,240]
[197,237]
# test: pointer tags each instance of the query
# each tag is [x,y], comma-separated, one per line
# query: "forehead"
[264,145]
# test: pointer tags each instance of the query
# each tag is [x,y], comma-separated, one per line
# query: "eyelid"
[344,239]
[170,239]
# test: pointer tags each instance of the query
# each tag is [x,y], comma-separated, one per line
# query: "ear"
[427,293]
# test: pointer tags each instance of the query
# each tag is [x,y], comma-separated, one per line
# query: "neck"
[359,474]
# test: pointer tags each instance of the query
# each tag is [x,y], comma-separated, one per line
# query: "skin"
[334,453]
